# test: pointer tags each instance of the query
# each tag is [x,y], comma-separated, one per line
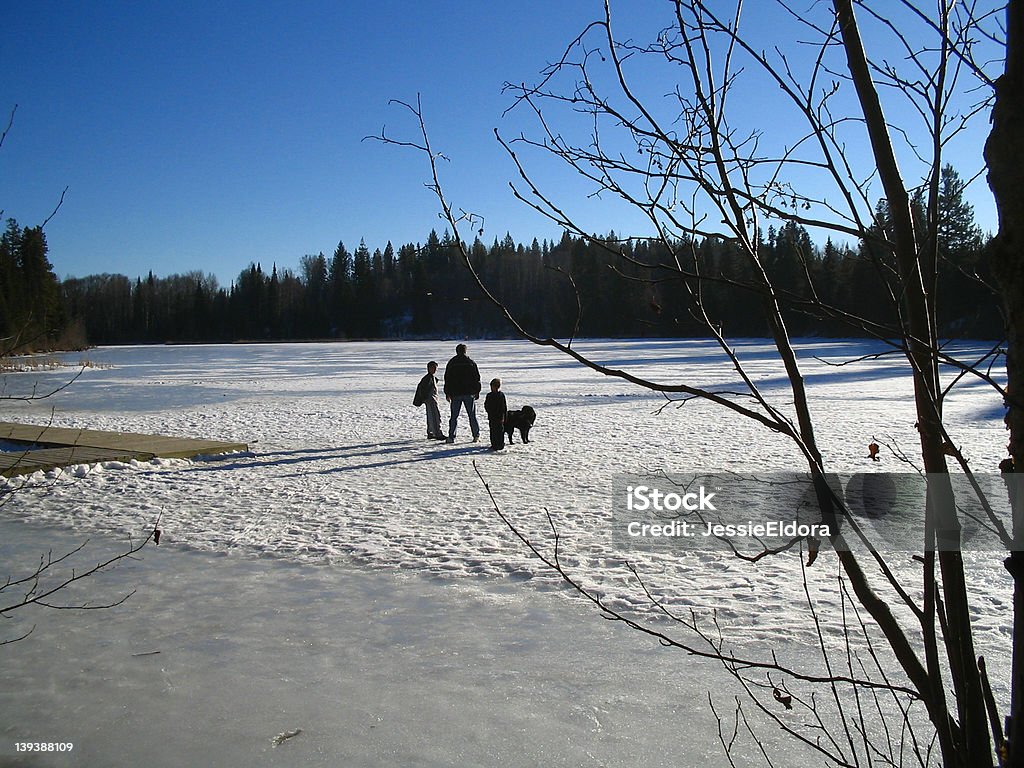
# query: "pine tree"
[30,297]
[341,291]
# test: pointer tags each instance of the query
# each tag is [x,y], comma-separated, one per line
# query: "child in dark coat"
[496,408]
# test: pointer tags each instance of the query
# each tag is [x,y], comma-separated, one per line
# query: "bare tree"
[1003,153]
[665,133]
[47,583]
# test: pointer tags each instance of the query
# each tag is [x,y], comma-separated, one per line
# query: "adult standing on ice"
[426,394]
[462,388]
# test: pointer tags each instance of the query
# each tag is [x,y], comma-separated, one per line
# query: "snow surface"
[342,506]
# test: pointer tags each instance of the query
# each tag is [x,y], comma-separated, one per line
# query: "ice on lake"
[214,657]
[349,579]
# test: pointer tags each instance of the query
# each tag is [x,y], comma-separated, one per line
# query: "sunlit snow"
[372,598]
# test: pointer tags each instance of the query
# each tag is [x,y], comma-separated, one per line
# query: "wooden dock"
[51,447]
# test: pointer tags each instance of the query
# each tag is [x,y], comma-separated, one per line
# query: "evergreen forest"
[578,286]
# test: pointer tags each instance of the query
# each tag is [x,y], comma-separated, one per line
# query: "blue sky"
[205,136]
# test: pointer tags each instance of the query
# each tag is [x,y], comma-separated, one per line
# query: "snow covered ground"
[350,578]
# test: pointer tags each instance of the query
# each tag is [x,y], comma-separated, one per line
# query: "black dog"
[522,420]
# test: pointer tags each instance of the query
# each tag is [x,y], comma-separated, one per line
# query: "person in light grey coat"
[426,394]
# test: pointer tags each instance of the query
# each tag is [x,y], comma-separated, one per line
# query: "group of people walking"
[462,390]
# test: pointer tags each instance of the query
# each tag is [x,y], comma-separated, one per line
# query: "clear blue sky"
[205,136]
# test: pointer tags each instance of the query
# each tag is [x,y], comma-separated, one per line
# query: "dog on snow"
[522,420]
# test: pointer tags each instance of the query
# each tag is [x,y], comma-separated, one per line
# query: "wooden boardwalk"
[51,447]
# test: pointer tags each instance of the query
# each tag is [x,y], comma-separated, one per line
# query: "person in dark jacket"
[496,408]
[462,389]
[426,394]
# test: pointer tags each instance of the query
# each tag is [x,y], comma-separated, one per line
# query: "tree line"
[583,286]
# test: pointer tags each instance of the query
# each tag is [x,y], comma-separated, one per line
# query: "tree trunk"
[1004,155]
[969,744]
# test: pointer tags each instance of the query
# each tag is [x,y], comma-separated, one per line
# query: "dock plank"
[14,463]
[49,447]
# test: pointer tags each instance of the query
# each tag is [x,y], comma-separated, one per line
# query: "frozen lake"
[214,657]
[351,579]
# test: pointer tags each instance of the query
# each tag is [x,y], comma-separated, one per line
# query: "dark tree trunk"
[1004,155]
[967,743]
